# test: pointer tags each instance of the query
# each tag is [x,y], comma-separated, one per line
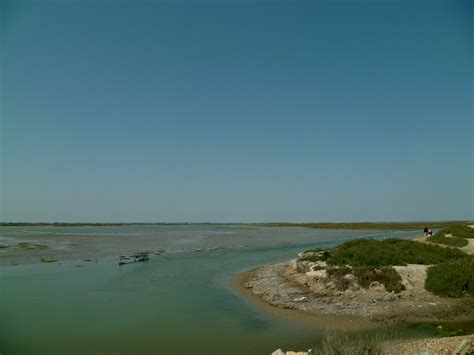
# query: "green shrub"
[386,276]
[450,241]
[341,283]
[448,332]
[339,271]
[452,279]
[389,252]
[460,231]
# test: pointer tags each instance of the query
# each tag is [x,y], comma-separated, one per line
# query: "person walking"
[425,231]
[430,232]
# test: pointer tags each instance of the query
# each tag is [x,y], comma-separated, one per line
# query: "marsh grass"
[336,343]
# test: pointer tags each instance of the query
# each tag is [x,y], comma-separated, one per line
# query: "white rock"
[294,264]
[300,299]
[320,264]
[278,352]
[319,274]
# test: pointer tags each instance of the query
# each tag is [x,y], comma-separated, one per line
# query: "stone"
[278,352]
[294,264]
[300,299]
[319,274]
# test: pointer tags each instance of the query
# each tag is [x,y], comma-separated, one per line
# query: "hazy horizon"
[240,112]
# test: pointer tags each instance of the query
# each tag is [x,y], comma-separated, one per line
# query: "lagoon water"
[178,302]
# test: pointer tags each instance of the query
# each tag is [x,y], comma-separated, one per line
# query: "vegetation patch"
[371,261]
[448,332]
[450,241]
[389,252]
[347,343]
[455,235]
[386,276]
[370,225]
[339,271]
[452,279]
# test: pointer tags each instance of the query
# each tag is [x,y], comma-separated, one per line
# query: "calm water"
[178,302]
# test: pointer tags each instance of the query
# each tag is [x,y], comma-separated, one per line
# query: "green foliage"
[339,271]
[452,279]
[458,234]
[448,332]
[450,241]
[386,276]
[460,231]
[374,253]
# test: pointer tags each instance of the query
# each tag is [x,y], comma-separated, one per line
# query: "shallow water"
[178,302]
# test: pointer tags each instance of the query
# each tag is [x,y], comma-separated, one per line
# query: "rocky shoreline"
[281,285]
[305,291]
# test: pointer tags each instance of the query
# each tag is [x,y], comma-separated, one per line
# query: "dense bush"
[369,252]
[452,279]
[341,283]
[386,276]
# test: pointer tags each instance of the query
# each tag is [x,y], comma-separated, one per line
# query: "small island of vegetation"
[383,281]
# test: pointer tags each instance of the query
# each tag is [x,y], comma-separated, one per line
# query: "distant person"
[430,232]
[425,231]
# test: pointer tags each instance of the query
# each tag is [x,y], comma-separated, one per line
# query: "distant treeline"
[358,225]
[373,225]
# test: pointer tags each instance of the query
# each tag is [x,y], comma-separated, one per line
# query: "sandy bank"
[291,312]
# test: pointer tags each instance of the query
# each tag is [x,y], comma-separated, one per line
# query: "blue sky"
[236,111]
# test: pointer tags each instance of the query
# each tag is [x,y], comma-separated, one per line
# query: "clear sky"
[236,111]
